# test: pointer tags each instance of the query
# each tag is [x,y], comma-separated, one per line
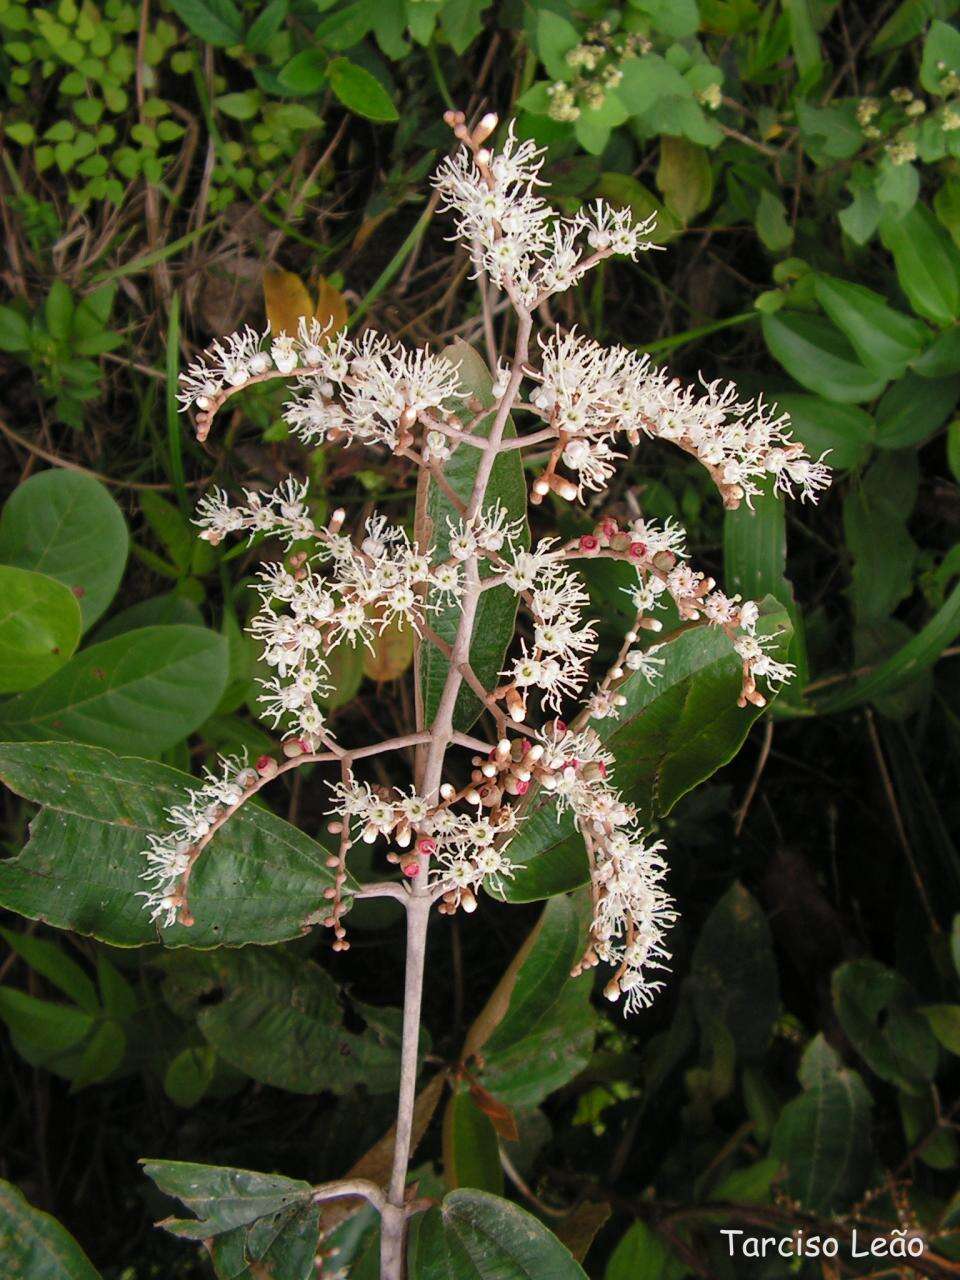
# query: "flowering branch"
[450,839]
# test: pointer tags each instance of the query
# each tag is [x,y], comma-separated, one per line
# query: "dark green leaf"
[305,73]
[222,1198]
[733,973]
[189,1075]
[141,691]
[50,960]
[642,1255]
[361,92]
[35,1246]
[884,339]
[876,1008]
[82,865]
[471,1151]
[486,1238]
[823,1138]
[927,262]
[279,1020]
[67,526]
[913,408]
[844,430]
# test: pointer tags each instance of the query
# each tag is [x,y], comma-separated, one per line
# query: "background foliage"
[175,169]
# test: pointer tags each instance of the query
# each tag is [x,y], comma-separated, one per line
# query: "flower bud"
[267,767]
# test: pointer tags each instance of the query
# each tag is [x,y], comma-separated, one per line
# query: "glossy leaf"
[67,526]
[34,1246]
[81,867]
[497,610]
[672,734]
[142,691]
[821,359]
[39,627]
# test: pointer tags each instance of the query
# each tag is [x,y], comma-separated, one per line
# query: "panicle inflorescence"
[450,834]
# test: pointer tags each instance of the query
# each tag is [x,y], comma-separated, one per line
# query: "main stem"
[418,903]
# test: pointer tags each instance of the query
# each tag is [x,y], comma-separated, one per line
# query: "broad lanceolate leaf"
[823,1136]
[279,1020]
[497,610]
[67,526]
[34,1246]
[361,92]
[927,263]
[877,1010]
[259,879]
[821,359]
[471,1152]
[142,691]
[477,1236]
[672,734]
[843,431]
[546,1028]
[222,1198]
[885,340]
[39,627]
[733,974]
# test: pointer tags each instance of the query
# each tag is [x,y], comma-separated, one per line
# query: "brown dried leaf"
[286,298]
[497,1112]
[331,308]
[579,1227]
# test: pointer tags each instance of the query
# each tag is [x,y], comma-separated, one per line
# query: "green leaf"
[884,339]
[486,1238]
[462,21]
[754,564]
[43,1030]
[648,82]
[39,627]
[555,38]
[803,36]
[876,1008]
[283,1247]
[685,177]
[142,691]
[823,1138]
[218,22]
[642,1255]
[944,1022]
[817,354]
[222,1198]
[942,357]
[171,528]
[774,230]
[914,408]
[306,72]
[915,657]
[874,522]
[471,1151]
[102,1054]
[34,1246]
[843,429]
[50,960]
[733,973]
[67,526]
[546,1033]
[927,263]
[167,610]
[908,20]
[58,307]
[496,613]
[671,735]
[361,92]
[81,868]
[265,26]
[14,330]
[941,57]
[278,1019]
[189,1075]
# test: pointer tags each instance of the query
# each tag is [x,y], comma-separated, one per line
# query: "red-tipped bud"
[589,544]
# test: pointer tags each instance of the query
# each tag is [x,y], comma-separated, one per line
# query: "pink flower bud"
[589,543]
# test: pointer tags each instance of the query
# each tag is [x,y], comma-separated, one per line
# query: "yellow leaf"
[331,306]
[287,299]
[392,653]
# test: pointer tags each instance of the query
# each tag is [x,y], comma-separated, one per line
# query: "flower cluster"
[591,393]
[515,236]
[170,856]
